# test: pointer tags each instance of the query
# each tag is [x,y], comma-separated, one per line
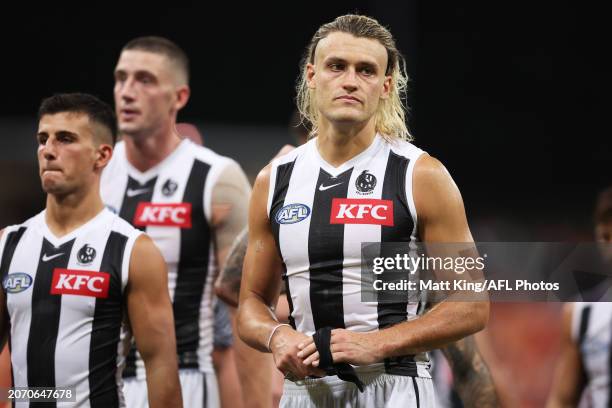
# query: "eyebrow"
[136,73]
[368,64]
[58,133]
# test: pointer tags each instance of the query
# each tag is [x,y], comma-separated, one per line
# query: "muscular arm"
[150,314]
[227,286]
[471,376]
[230,196]
[569,380]
[441,219]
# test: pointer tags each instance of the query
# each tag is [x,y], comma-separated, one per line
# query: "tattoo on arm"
[472,378]
[232,272]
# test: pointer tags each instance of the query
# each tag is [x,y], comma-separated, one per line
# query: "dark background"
[506,95]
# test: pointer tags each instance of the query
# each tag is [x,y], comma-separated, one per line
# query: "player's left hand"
[346,347]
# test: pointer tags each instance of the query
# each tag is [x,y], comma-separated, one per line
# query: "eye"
[367,71]
[336,66]
[63,138]
[42,139]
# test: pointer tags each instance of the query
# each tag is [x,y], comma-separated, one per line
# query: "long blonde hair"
[390,117]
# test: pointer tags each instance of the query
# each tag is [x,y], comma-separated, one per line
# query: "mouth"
[128,113]
[348,98]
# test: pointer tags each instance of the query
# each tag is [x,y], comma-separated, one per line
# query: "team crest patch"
[169,187]
[16,282]
[86,255]
[365,183]
[292,213]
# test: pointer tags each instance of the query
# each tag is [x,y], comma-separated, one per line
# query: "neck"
[338,143]
[146,152]
[66,213]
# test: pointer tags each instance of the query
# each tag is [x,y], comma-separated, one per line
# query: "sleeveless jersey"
[320,215]
[65,301]
[171,202]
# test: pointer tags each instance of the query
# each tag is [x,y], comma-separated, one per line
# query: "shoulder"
[207,155]
[405,149]
[121,226]
[289,154]
[428,170]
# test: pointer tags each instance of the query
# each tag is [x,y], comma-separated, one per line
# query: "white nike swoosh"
[138,191]
[323,188]
[46,258]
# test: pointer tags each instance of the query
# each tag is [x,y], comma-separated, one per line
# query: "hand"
[284,347]
[346,347]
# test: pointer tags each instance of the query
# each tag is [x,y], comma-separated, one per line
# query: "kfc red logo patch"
[163,215]
[82,283]
[361,211]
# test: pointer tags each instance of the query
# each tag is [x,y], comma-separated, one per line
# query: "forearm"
[228,284]
[445,323]
[255,322]
[164,388]
[471,376]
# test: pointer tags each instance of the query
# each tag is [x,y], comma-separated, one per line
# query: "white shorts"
[380,390]
[200,390]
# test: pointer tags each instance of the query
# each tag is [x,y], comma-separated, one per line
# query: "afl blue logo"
[292,213]
[16,282]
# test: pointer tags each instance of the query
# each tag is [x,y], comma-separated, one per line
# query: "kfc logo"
[163,215]
[361,211]
[82,283]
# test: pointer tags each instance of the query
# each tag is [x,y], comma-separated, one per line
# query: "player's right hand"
[284,347]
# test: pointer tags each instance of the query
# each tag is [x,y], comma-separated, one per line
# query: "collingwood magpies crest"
[169,187]
[365,183]
[86,255]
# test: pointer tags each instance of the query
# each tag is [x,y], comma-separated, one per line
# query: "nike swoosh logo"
[46,258]
[138,191]
[323,188]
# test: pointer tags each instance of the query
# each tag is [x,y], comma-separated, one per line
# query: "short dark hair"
[97,110]
[163,46]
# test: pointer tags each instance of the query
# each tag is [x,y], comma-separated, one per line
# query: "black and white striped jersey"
[172,203]
[66,306]
[592,332]
[320,215]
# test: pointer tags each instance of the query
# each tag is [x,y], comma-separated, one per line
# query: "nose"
[126,90]
[349,80]
[48,150]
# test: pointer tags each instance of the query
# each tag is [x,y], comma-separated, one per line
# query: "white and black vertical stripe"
[44,326]
[325,249]
[12,239]
[281,184]
[394,311]
[127,212]
[106,327]
[192,270]
[130,202]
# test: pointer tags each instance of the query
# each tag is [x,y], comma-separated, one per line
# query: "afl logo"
[86,255]
[292,213]
[365,183]
[16,282]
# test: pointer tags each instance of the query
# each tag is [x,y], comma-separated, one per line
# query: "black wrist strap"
[344,371]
